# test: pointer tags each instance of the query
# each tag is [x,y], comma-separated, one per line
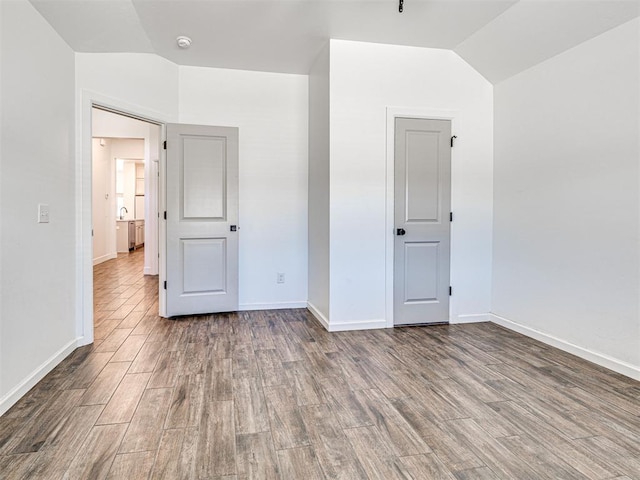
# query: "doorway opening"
[125,157]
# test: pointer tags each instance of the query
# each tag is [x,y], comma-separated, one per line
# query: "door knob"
[400,231]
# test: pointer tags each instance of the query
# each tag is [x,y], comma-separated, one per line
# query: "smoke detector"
[183,42]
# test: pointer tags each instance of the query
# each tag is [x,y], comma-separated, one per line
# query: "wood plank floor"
[272,395]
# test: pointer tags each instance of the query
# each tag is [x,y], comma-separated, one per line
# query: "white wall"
[566,251]
[271,111]
[145,82]
[130,148]
[319,185]
[366,79]
[37,165]
[102,201]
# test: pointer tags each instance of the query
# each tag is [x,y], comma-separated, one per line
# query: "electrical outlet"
[280,278]
[43,213]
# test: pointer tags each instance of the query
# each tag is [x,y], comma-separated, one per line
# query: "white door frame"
[83,192]
[392,114]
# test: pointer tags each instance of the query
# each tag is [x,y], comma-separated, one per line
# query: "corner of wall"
[319,315]
[619,366]
[11,397]
[552,279]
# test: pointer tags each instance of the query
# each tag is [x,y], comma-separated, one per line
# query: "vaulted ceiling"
[497,37]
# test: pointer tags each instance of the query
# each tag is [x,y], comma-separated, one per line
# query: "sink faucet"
[122,214]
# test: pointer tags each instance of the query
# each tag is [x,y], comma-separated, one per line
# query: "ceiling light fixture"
[401,6]
[183,42]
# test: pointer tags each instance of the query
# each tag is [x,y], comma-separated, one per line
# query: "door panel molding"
[392,113]
[421,254]
[417,175]
[196,251]
[195,175]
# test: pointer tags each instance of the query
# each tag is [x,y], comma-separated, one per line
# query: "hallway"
[123,297]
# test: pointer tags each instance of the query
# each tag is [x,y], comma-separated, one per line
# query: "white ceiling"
[532,31]
[498,37]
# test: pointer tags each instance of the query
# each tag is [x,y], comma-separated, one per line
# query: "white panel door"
[422,202]
[202,219]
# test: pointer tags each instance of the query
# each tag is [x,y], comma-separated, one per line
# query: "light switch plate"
[43,213]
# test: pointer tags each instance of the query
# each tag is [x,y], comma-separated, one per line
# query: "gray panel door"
[202,216]
[422,224]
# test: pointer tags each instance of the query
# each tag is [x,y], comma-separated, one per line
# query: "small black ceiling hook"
[401,6]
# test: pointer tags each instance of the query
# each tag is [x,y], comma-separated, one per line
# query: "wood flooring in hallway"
[272,395]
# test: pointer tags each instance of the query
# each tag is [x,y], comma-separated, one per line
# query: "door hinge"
[451,141]
[450,289]
[165,284]
[164,144]
[165,214]
[451,216]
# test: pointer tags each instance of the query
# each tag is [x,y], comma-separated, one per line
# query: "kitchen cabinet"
[129,235]
[122,236]
[139,233]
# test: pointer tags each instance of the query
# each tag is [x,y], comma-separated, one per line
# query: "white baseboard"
[271,306]
[357,325]
[104,258]
[316,313]
[346,326]
[8,400]
[471,318]
[619,366]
